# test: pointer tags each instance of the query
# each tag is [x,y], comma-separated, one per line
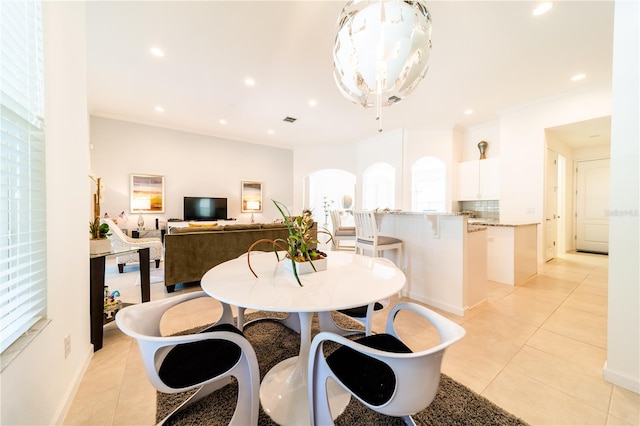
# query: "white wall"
[385,148]
[192,165]
[312,159]
[623,337]
[443,143]
[523,149]
[38,384]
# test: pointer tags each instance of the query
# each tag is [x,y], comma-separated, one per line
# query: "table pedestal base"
[284,394]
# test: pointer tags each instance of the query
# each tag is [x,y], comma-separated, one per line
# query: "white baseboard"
[620,379]
[436,304]
[70,394]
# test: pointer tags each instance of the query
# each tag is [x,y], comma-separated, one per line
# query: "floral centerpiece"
[300,246]
[98,232]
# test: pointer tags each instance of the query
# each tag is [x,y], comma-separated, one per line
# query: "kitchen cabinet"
[511,253]
[479,180]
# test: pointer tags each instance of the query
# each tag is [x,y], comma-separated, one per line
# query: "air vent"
[289,119]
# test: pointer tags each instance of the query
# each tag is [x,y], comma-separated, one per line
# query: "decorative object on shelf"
[99,243]
[146,194]
[111,304]
[123,216]
[140,205]
[326,206]
[298,246]
[347,202]
[482,147]
[381,51]
[98,233]
[140,221]
[97,196]
[251,198]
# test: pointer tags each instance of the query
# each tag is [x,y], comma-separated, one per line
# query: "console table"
[148,233]
[97,264]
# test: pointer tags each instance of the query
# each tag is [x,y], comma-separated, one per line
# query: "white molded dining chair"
[380,370]
[341,233]
[205,361]
[120,241]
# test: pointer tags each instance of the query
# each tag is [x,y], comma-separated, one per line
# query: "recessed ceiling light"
[578,77]
[159,109]
[249,82]
[313,102]
[542,8]
[468,112]
[270,131]
[155,51]
[222,121]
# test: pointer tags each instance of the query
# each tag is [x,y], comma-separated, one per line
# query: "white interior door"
[592,206]
[551,206]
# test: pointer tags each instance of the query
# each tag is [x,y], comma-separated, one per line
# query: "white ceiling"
[488,56]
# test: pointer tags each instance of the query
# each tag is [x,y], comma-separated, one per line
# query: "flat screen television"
[205,208]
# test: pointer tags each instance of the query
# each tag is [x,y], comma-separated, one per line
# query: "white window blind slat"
[23,262]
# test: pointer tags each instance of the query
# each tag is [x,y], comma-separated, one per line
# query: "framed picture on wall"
[146,193]
[251,197]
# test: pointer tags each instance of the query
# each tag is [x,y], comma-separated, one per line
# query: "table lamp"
[253,206]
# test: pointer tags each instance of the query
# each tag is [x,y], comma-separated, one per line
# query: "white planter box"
[305,267]
[99,246]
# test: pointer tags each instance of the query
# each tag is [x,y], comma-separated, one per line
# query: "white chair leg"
[408,420]
[319,411]
[247,396]
[326,323]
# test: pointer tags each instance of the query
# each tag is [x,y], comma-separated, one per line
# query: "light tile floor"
[537,350]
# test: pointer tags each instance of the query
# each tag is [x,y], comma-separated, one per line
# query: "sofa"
[189,252]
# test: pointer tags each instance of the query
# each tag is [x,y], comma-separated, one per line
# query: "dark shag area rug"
[454,404]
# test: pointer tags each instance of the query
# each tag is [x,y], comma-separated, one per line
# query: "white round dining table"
[350,280]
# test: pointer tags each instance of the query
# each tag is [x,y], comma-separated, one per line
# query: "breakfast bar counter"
[444,258]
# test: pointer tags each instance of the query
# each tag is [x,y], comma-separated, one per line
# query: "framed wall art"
[251,197]
[146,193]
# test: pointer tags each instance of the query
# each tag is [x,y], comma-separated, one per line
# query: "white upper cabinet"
[479,180]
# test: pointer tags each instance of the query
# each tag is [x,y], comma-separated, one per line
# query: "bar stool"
[368,239]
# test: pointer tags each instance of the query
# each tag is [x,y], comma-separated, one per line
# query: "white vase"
[99,246]
[305,267]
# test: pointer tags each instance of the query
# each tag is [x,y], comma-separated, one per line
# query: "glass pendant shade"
[381,50]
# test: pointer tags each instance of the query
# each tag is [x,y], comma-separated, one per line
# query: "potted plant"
[99,243]
[300,246]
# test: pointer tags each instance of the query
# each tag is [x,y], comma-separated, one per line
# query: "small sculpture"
[482,146]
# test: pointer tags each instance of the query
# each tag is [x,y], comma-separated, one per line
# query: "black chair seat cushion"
[360,311]
[370,379]
[192,363]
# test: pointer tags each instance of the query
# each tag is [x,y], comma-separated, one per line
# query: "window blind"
[23,257]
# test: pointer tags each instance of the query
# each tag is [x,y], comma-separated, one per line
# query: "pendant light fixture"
[381,51]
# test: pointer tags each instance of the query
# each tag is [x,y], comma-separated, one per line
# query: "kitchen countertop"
[491,222]
[475,224]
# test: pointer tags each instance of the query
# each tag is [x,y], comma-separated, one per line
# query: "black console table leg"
[96,297]
[145,280]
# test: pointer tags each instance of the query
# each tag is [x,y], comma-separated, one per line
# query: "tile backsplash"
[487,209]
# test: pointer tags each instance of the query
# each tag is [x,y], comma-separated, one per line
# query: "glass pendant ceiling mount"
[381,51]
